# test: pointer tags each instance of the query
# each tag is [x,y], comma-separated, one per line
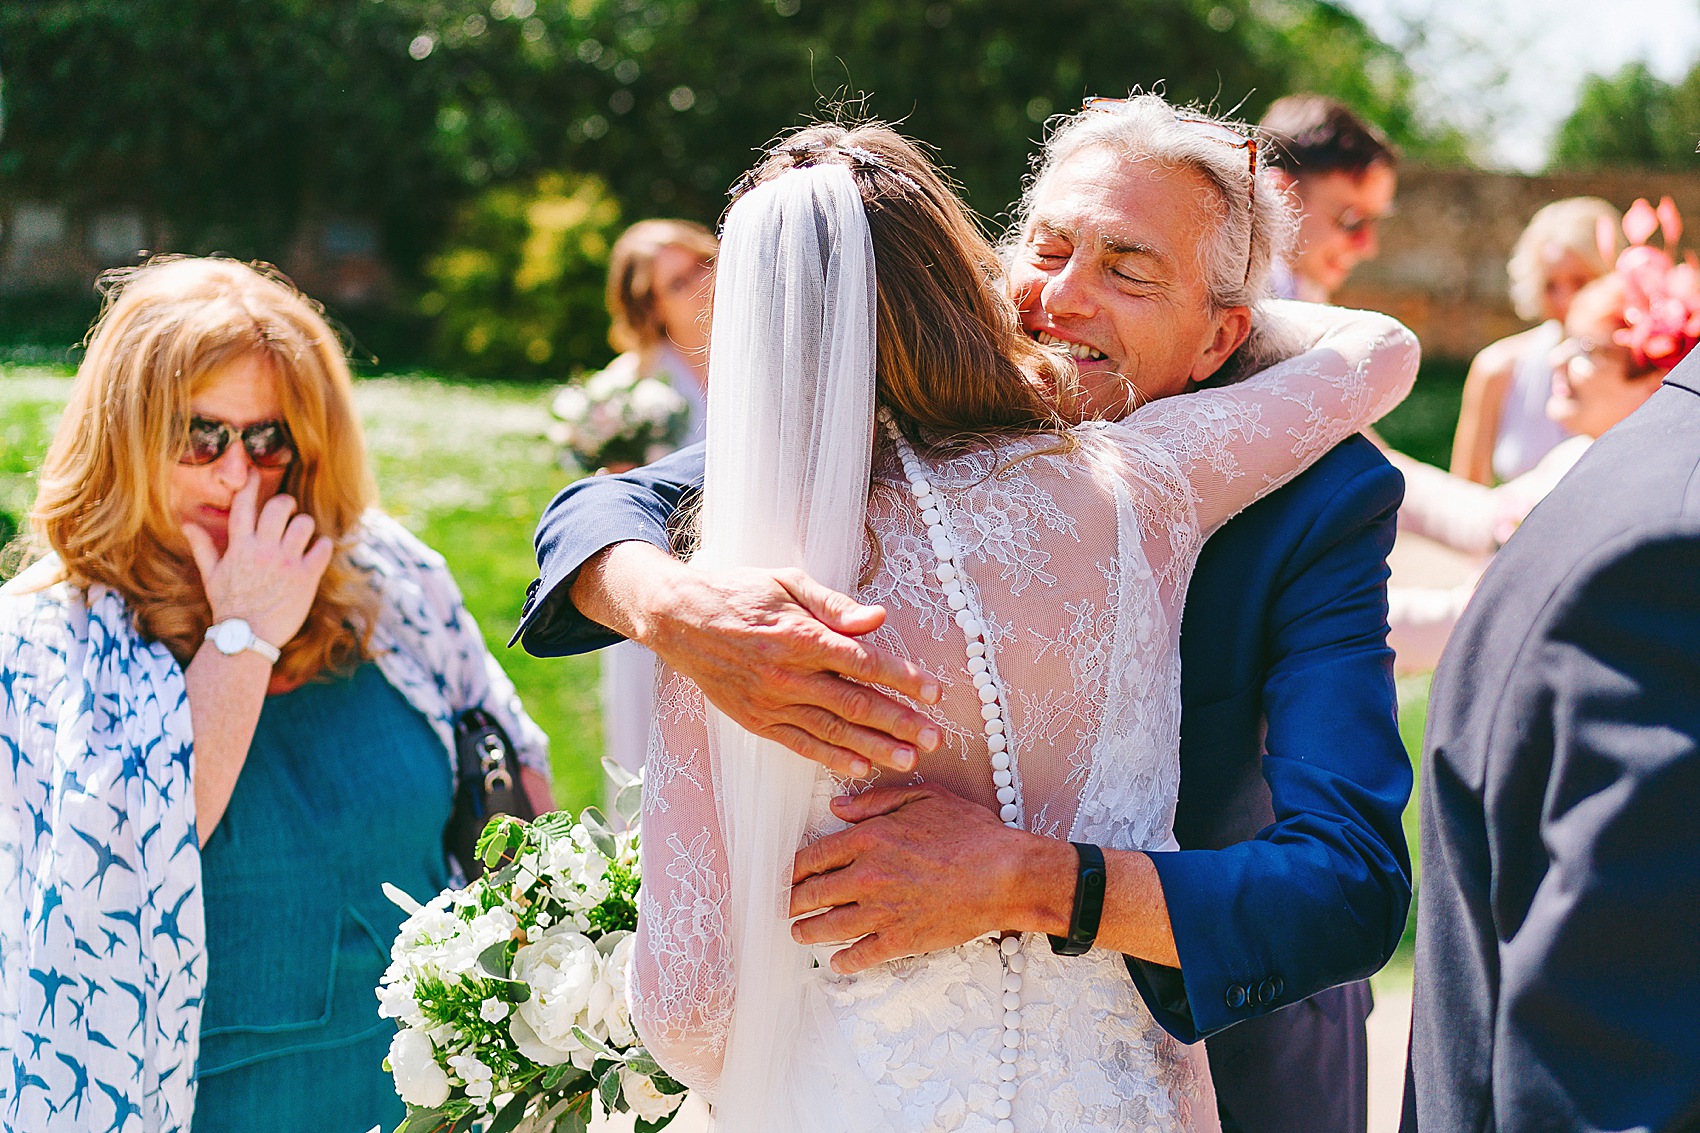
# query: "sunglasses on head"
[268,442]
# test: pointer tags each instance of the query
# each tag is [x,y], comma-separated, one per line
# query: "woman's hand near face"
[271,566]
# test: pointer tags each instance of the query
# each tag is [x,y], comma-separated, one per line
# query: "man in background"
[1341,173]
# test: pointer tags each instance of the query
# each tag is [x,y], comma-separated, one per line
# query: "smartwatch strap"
[1089,884]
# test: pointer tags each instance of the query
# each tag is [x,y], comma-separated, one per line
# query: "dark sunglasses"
[268,442]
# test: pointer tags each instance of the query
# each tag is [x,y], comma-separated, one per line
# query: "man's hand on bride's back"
[922,870]
[774,650]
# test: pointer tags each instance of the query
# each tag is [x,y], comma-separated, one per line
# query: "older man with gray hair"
[1143,249]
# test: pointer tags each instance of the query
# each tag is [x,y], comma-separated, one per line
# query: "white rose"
[562,968]
[418,1078]
[649,1103]
[617,1016]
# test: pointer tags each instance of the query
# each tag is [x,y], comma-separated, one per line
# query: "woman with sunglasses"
[1622,334]
[230,689]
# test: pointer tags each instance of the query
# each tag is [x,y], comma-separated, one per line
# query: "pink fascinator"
[1661,307]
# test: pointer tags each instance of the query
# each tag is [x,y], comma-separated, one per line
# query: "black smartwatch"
[1088,903]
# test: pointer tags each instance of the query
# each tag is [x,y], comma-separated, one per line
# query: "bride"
[878,418]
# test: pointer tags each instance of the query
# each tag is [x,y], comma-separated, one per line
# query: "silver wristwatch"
[233,636]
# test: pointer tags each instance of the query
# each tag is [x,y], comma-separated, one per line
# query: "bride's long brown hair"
[104,501]
[953,363]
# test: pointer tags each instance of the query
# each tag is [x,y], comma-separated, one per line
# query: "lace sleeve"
[681,982]
[1241,442]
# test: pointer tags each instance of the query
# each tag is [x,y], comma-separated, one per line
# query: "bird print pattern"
[102,933]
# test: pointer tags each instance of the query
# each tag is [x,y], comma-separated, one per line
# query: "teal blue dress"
[346,787]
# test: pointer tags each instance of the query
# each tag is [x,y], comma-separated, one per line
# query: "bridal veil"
[790,441]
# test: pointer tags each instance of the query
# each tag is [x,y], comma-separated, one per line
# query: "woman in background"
[1503,427]
[1613,357]
[230,692]
[660,288]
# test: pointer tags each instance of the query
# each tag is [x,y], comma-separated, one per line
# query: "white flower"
[649,1103]
[571,405]
[562,968]
[480,1083]
[655,402]
[493,1010]
[616,1015]
[621,375]
[395,1001]
[418,1078]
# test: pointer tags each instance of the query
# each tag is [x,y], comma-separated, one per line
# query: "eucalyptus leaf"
[562,1076]
[595,1043]
[576,1117]
[510,1115]
[642,1062]
[512,991]
[434,1120]
[619,776]
[628,802]
[608,1089]
[493,961]
[596,827]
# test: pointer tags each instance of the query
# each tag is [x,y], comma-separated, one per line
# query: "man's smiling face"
[1109,269]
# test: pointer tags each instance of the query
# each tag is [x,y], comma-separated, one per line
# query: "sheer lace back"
[1077,556]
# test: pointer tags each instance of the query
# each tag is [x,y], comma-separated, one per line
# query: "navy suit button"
[1236,996]
[1268,990]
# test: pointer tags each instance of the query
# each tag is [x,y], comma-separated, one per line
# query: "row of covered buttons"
[1265,993]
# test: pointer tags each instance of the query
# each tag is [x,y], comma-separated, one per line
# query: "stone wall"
[1442,264]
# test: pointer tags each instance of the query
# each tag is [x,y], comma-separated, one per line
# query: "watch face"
[232,636]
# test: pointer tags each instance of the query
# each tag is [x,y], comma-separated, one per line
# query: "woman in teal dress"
[229,688]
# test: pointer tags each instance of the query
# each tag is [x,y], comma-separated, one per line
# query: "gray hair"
[1253,230]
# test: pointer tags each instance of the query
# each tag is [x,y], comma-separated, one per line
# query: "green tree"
[517,289]
[232,123]
[1631,119]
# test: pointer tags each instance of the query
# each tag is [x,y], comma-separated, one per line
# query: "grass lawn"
[467,468]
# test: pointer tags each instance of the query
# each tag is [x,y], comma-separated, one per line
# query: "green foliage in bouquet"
[511,992]
[517,291]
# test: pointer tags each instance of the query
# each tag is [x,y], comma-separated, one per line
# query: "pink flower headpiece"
[1661,306]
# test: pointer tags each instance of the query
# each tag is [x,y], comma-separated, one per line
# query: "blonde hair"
[1570,225]
[631,278]
[104,502]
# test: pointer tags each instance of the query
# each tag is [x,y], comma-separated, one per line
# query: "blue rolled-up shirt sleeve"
[587,517]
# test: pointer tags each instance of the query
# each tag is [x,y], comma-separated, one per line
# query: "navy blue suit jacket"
[1294,875]
[1558,935]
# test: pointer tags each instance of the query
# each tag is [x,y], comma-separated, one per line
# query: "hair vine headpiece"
[1661,304]
[805,153]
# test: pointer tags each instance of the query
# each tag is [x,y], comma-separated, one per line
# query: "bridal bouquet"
[511,992]
[618,416]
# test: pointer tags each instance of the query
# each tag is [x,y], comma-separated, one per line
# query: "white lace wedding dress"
[1077,559]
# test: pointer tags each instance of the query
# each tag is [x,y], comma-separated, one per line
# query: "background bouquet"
[511,993]
[619,417]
